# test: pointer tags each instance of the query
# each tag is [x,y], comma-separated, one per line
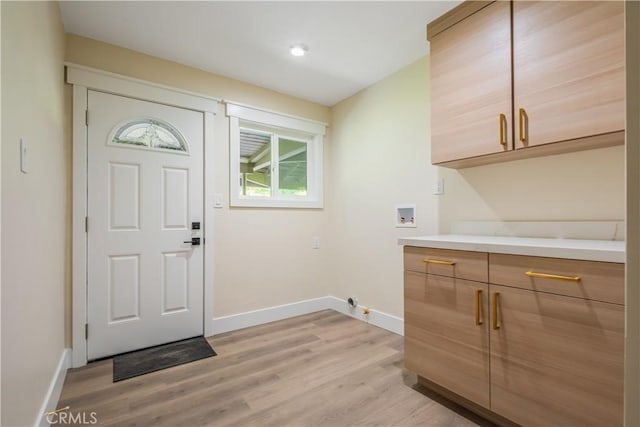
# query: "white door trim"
[118,84]
[84,78]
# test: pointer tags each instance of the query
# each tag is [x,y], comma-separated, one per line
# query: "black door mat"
[140,362]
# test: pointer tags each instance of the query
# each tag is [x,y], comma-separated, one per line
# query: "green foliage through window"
[264,154]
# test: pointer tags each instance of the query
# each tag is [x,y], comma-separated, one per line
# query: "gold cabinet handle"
[503,129]
[435,261]
[479,320]
[553,276]
[523,119]
[494,308]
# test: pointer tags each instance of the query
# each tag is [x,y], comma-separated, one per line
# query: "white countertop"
[591,250]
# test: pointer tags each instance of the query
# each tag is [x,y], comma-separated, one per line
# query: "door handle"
[195,241]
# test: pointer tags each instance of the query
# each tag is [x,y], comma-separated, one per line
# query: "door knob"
[195,241]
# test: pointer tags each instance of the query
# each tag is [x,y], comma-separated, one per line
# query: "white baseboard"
[280,312]
[55,388]
[266,315]
[377,318]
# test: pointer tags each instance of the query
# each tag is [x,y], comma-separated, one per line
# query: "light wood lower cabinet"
[598,281]
[557,360]
[446,335]
[466,265]
[531,349]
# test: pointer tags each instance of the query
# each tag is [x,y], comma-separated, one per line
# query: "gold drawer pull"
[503,129]
[479,320]
[553,276]
[494,307]
[435,261]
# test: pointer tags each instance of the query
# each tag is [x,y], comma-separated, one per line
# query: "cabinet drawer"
[600,281]
[444,262]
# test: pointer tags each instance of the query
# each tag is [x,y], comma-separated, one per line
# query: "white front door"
[145,192]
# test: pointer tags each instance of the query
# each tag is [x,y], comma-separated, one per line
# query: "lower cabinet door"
[556,360]
[446,335]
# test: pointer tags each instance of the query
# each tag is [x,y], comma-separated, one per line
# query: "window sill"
[273,203]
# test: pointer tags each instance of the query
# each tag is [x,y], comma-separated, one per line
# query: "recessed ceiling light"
[298,50]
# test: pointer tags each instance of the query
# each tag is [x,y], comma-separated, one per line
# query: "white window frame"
[312,132]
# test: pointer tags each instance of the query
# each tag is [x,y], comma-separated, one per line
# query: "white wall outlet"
[438,186]
[315,242]
[24,156]
[217,200]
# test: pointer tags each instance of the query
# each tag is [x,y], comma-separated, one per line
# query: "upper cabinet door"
[471,86]
[568,70]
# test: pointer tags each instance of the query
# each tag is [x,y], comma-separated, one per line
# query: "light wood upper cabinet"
[471,86]
[569,75]
[554,69]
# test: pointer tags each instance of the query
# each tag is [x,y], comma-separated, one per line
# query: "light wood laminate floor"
[321,369]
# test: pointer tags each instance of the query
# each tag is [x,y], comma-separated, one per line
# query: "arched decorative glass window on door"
[149,133]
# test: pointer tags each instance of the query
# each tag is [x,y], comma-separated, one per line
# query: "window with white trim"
[276,160]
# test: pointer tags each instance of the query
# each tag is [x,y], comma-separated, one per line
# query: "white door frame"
[85,78]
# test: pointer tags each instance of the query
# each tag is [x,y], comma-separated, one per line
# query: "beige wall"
[379,158]
[92,53]
[262,257]
[587,185]
[34,206]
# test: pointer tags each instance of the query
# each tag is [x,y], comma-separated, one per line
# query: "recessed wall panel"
[124,287]
[175,282]
[124,196]
[175,196]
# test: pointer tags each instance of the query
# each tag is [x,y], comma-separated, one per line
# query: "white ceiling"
[351,44]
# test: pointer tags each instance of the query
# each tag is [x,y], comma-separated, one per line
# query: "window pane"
[150,133]
[255,163]
[292,167]
[257,184]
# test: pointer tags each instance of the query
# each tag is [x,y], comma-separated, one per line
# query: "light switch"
[24,156]
[315,242]
[217,200]
[438,186]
